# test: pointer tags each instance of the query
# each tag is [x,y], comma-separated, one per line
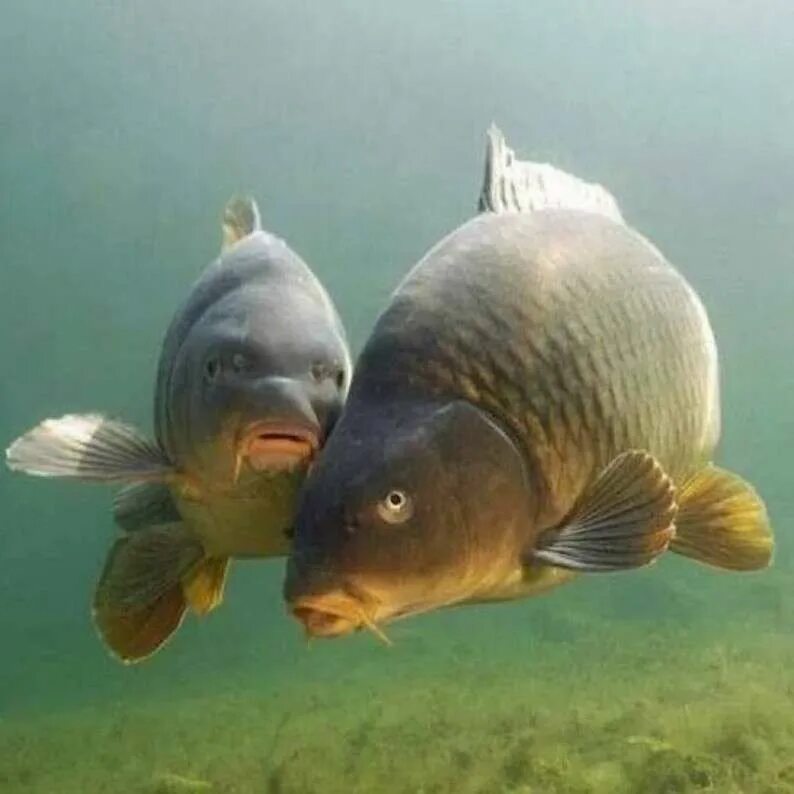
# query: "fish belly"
[253,524]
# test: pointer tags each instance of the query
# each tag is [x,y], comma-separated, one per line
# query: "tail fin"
[139,601]
[240,218]
[87,447]
[512,185]
[722,522]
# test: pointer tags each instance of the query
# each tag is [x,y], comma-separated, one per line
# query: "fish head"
[259,383]
[410,507]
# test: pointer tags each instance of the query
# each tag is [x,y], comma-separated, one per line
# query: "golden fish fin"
[723,522]
[203,585]
[138,602]
[133,635]
[624,519]
[143,504]
[240,218]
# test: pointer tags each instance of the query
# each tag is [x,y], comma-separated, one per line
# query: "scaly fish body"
[539,399]
[568,328]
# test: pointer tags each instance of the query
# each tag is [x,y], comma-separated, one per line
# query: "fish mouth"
[268,446]
[334,615]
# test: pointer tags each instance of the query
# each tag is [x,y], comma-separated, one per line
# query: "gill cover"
[460,483]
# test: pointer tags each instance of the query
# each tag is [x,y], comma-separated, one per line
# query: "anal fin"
[203,585]
[623,520]
[723,522]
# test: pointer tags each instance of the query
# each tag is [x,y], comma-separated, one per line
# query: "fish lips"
[332,612]
[320,618]
[279,445]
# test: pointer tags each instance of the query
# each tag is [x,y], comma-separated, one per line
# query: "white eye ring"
[396,507]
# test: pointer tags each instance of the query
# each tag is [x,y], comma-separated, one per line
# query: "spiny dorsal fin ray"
[240,218]
[512,185]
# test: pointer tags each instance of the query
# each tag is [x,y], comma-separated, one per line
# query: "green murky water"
[359,126]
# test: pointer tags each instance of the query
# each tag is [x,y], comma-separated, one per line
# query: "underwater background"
[359,126]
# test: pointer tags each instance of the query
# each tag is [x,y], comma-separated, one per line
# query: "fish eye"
[239,362]
[340,378]
[396,507]
[212,368]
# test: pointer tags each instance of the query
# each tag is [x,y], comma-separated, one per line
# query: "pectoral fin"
[88,447]
[203,586]
[139,601]
[722,522]
[133,635]
[144,504]
[623,520]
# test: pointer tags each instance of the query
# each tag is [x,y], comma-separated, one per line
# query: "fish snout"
[292,433]
[317,621]
[286,399]
[325,606]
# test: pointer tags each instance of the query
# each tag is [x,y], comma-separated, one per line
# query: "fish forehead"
[259,265]
[285,323]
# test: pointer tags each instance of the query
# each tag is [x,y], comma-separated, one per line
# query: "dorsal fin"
[512,185]
[240,218]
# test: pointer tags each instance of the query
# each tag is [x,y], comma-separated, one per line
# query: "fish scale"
[549,358]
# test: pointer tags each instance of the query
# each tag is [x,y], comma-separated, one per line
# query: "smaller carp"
[253,372]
